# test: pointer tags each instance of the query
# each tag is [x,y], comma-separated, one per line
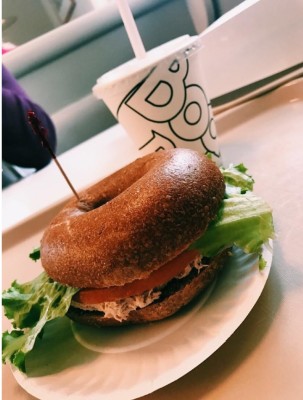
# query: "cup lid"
[178,47]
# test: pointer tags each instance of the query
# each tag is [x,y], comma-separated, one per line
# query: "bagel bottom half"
[176,294]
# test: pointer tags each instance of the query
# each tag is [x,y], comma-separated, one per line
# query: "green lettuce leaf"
[30,306]
[35,254]
[236,179]
[244,220]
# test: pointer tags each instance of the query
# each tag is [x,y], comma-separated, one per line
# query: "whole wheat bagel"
[133,221]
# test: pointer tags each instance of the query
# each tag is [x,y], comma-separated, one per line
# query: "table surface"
[263,359]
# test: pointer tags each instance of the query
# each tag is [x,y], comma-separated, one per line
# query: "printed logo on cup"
[169,108]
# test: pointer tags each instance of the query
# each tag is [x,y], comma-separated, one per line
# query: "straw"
[131,28]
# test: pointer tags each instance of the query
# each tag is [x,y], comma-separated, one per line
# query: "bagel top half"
[133,221]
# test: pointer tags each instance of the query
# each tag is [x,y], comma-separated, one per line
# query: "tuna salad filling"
[120,309]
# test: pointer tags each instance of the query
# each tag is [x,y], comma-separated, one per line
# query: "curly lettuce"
[244,220]
[30,306]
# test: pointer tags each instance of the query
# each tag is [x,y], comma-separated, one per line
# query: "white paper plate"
[132,362]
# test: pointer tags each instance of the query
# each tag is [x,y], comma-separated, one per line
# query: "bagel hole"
[90,206]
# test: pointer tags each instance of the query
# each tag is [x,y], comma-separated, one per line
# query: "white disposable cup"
[160,100]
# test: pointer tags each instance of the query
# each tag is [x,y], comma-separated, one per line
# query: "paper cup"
[161,101]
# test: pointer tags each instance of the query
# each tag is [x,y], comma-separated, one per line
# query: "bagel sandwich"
[140,245]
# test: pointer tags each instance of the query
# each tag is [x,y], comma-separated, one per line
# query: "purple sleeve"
[20,145]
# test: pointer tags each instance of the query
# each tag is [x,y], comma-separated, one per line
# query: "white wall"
[226,5]
[34,18]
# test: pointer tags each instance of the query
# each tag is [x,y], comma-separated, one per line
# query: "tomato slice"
[156,278]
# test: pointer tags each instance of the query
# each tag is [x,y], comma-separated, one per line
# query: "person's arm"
[20,145]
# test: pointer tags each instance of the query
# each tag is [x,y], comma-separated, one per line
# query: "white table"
[263,359]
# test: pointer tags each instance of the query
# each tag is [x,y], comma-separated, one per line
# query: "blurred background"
[58,48]
[24,20]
